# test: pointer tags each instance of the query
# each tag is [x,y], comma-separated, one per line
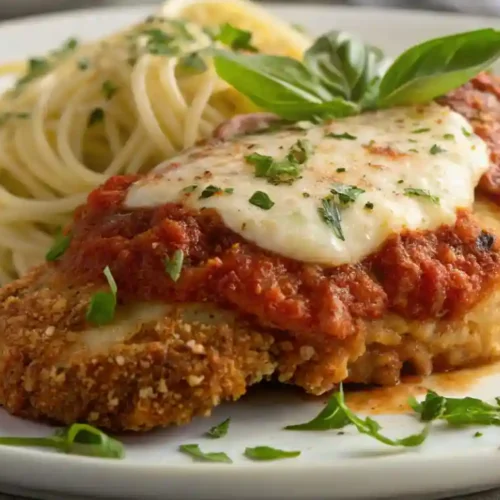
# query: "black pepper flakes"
[485,241]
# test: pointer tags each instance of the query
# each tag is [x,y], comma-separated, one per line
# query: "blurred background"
[14,8]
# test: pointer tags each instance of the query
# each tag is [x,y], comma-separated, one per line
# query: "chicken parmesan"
[354,250]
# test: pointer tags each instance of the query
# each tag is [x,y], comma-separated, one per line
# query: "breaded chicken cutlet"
[238,261]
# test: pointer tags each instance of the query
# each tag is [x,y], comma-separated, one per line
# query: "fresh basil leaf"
[219,430]
[101,309]
[77,439]
[268,453]
[194,451]
[432,68]
[173,266]
[59,247]
[458,411]
[347,66]
[281,85]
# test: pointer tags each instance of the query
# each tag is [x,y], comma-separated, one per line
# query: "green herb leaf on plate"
[268,453]
[77,439]
[193,63]
[457,411]
[101,309]
[194,451]
[173,266]
[219,430]
[344,135]
[59,247]
[433,68]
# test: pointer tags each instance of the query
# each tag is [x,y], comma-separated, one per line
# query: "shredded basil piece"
[77,439]
[330,213]
[436,149]
[261,200]
[219,430]
[424,193]
[83,64]
[466,132]
[346,193]
[235,38]
[102,306]
[59,247]
[420,130]
[344,135]
[190,189]
[194,451]
[173,266]
[268,453]
[449,137]
[336,415]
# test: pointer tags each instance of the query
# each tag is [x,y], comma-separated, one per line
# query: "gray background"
[487,7]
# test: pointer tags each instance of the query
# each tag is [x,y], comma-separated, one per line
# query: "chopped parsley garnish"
[330,213]
[369,205]
[300,152]
[109,89]
[436,149]
[96,116]
[337,415]
[59,247]
[83,64]
[66,48]
[344,135]
[466,132]
[220,430]
[413,150]
[11,115]
[193,62]
[340,170]
[261,200]
[284,171]
[235,38]
[346,193]
[194,451]
[478,434]
[424,193]
[101,309]
[173,266]
[77,439]
[420,130]
[159,43]
[37,67]
[449,137]
[212,190]
[190,189]
[414,141]
[456,411]
[306,195]
[400,181]
[268,453]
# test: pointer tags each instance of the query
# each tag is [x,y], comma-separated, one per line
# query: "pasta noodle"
[86,112]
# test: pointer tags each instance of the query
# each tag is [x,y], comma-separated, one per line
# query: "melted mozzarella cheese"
[389,155]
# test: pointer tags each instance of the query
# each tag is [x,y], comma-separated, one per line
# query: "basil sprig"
[437,66]
[341,76]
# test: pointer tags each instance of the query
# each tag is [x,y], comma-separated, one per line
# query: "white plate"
[331,466]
